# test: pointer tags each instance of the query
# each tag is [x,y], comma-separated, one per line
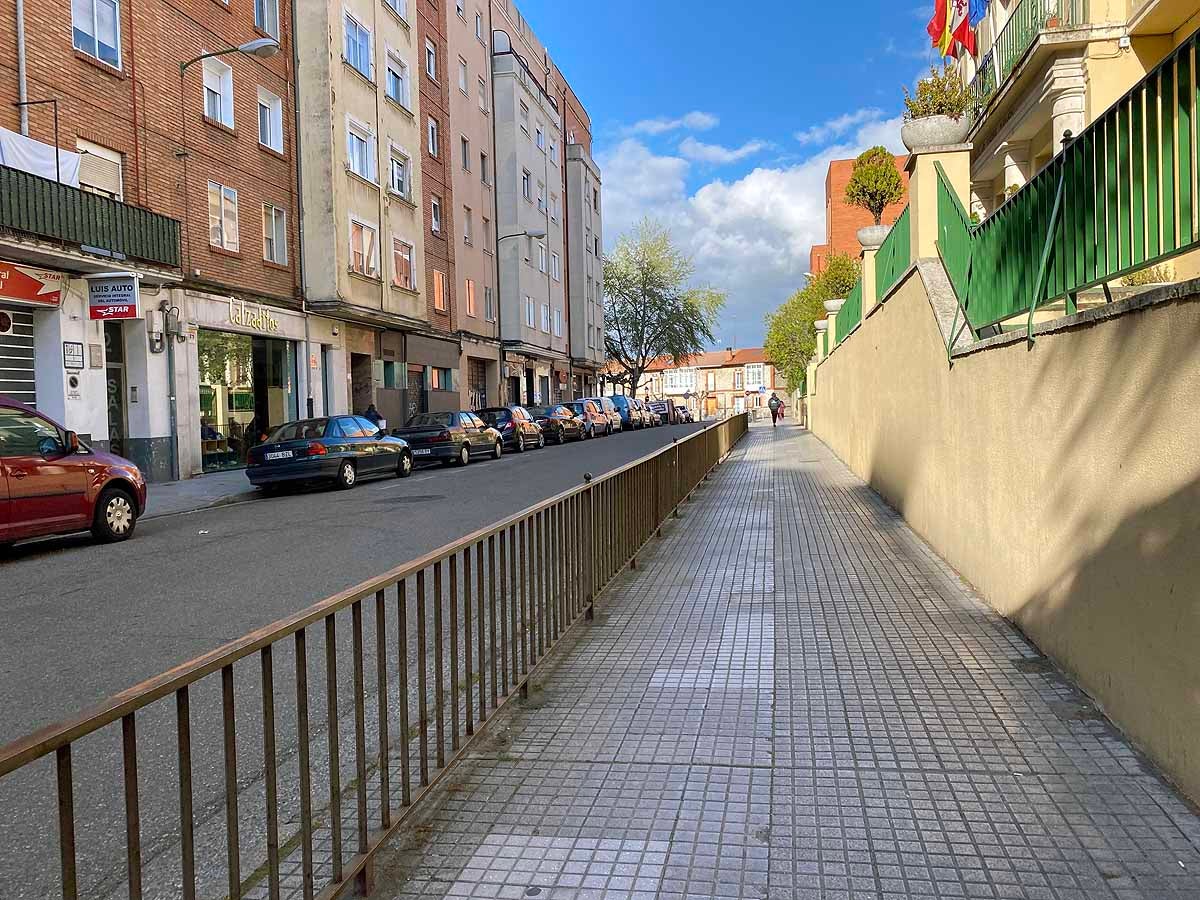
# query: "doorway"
[416,391]
[514,390]
[362,383]
[529,391]
[114,365]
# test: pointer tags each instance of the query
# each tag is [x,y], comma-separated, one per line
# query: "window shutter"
[100,175]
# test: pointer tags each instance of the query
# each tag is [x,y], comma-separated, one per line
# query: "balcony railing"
[1029,20]
[59,212]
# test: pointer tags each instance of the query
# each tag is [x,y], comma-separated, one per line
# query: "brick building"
[842,221]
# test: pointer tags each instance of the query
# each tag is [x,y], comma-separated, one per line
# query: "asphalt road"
[83,622]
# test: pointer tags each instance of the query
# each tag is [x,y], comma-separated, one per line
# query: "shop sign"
[251,316]
[113,296]
[73,355]
[34,287]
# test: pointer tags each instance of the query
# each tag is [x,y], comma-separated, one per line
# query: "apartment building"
[473,177]
[714,383]
[842,220]
[149,291]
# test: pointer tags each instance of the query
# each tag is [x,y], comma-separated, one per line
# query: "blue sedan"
[341,449]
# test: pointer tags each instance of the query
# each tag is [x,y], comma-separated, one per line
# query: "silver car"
[610,410]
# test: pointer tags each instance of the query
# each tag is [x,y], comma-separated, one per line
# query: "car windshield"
[536,411]
[576,408]
[439,419]
[304,430]
[492,416]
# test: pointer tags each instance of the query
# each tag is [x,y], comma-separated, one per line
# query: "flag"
[961,32]
[938,28]
[978,11]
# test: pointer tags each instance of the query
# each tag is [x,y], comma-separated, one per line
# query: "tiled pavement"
[793,697]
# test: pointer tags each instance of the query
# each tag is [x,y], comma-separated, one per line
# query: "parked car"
[559,423]
[54,483]
[610,411]
[595,421]
[630,420]
[451,438]
[649,419]
[517,429]
[664,411]
[684,415]
[341,449]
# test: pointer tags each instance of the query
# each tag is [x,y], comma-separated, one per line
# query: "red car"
[50,483]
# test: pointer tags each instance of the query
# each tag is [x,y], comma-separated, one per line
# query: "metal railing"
[59,212]
[894,256]
[1118,197]
[851,312]
[1029,20]
[456,634]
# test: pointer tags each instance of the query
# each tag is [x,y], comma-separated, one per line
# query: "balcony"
[1030,19]
[60,213]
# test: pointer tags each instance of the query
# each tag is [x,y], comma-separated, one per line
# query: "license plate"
[280,454]
[422,452]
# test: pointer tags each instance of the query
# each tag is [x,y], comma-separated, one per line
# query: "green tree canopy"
[791,338]
[649,312]
[874,183]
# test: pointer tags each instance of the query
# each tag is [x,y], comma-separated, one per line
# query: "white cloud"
[749,236]
[715,153]
[693,121]
[836,127]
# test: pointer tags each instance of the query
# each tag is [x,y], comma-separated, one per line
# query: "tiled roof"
[714,359]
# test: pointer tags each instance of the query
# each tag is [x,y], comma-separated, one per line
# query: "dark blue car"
[341,449]
[629,419]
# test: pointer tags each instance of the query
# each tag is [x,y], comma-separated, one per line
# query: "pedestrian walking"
[776,407]
[373,415]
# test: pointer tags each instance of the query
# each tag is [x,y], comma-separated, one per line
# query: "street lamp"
[535,233]
[261,48]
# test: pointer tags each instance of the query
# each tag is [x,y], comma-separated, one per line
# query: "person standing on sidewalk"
[776,407]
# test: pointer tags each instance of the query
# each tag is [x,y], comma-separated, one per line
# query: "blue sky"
[722,125]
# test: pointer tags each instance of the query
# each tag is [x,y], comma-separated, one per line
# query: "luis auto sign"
[33,287]
[113,295]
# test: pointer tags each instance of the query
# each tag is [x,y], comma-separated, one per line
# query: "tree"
[874,183]
[791,338]
[649,312]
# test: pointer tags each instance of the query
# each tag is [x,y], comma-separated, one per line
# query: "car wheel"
[541,440]
[498,450]
[464,455]
[404,468]
[116,516]
[520,437]
[347,476]
[562,436]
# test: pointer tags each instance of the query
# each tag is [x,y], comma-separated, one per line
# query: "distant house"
[712,383]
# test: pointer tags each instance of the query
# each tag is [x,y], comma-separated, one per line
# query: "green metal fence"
[59,212]
[1119,197]
[894,256]
[851,312]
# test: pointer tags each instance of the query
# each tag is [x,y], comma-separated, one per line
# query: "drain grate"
[1075,711]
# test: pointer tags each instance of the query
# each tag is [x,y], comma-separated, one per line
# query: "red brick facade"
[136,111]
[842,221]
[436,180]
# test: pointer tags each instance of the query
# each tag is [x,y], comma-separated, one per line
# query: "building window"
[541,257]
[218,92]
[364,248]
[526,184]
[398,86]
[358,45]
[754,374]
[439,290]
[597,246]
[433,137]
[435,217]
[541,136]
[555,267]
[441,379]
[274,234]
[270,120]
[99,169]
[266,17]
[487,235]
[546,318]
[96,29]
[530,311]
[462,76]
[483,167]
[359,155]
[470,289]
[400,179]
[430,59]
[525,118]
[479,25]
[483,97]
[541,200]
[489,305]
[402,264]
[738,380]
[558,323]
[570,136]
[399,7]
[459,7]
[466,224]
[554,207]
[680,380]
[465,147]
[222,217]
[596,199]
[553,151]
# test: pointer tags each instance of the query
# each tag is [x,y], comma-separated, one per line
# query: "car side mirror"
[72,442]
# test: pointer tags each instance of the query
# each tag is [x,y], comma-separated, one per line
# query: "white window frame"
[527,185]
[349,19]
[412,267]
[435,214]
[469,302]
[554,207]
[545,318]
[557,322]
[430,59]
[370,253]
[270,17]
[530,312]
[541,197]
[489,304]
[400,163]
[464,77]
[359,130]
[396,66]
[218,82]
[484,159]
[554,151]
[82,37]
[399,7]
[468,238]
[540,136]
[274,108]
[755,373]
[478,25]
[432,137]
[461,10]
[464,148]
[541,257]
[277,219]
[555,266]
[228,216]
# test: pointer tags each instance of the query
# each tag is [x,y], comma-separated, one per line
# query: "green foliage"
[223,357]
[941,94]
[649,311]
[1160,274]
[791,338]
[874,183]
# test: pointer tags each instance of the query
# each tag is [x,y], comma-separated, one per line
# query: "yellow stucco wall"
[1062,480]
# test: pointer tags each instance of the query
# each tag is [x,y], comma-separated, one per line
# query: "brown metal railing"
[464,628]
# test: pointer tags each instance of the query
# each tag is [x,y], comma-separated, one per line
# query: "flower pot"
[934,131]
[832,306]
[872,236]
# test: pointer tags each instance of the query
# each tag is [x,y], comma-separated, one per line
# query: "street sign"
[32,287]
[113,296]
[762,388]
[73,355]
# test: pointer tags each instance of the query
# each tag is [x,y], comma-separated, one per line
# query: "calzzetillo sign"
[113,297]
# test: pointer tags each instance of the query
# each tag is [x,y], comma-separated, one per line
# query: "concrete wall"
[1061,479]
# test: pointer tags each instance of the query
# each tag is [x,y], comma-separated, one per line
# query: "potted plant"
[936,116]
[874,185]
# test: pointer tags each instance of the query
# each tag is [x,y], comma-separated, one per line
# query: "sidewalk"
[201,492]
[793,697]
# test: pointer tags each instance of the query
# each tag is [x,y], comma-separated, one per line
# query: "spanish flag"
[950,26]
[939,26]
